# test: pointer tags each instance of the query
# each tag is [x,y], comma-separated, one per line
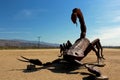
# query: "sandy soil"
[12,69]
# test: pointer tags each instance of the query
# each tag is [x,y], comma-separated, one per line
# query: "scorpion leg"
[95,46]
[99,44]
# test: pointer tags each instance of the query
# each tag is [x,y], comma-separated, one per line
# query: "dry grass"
[12,69]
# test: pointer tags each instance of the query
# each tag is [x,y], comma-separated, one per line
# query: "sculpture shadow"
[88,76]
[61,67]
[64,67]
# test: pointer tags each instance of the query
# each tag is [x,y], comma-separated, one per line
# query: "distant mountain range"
[16,43]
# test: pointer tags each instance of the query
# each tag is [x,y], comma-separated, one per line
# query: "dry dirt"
[12,69]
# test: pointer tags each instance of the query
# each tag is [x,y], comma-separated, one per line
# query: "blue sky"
[51,19]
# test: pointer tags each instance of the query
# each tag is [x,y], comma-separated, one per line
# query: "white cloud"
[110,33]
[28,13]
[109,36]
[116,19]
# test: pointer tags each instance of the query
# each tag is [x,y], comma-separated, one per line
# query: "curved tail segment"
[76,13]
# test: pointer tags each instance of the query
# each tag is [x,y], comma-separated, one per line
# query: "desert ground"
[12,69]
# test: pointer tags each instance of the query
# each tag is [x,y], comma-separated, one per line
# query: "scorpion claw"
[25,58]
[22,60]
[32,61]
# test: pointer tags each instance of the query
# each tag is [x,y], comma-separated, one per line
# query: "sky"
[51,20]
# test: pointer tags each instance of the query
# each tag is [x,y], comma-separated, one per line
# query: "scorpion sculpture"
[82,46]
[79,50]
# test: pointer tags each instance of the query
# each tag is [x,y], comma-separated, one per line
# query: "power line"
[39,38]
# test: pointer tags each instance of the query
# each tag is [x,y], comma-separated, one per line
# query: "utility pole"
[39,37]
